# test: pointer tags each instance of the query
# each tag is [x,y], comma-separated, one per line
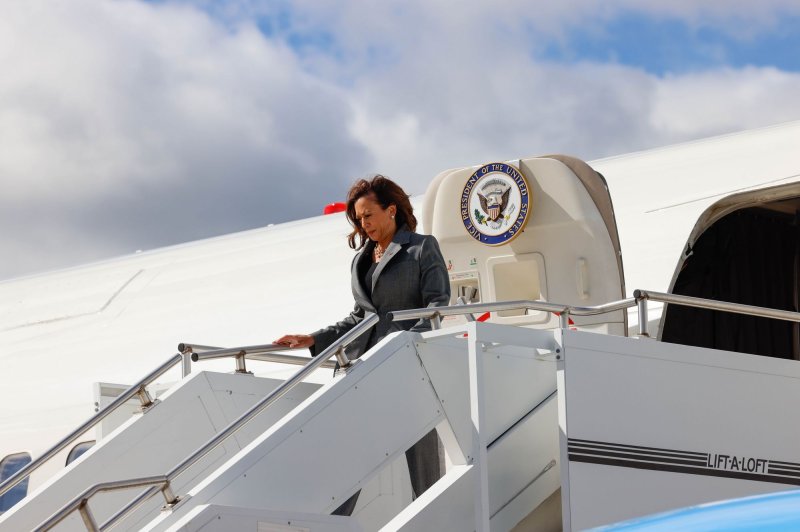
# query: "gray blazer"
[411,274]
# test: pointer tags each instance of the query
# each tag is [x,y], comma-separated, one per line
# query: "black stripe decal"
[783,471]
[601,443]
[685,469]
[638,457]
[784,464]
[654,454]
[677,461]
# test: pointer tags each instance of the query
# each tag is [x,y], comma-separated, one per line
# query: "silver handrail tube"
[639,299]
[131,392]
[211,444]
[736,308]
[263,353]
[430,312]
[89,492]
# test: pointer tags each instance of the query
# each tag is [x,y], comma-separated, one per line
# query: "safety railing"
[263,353]
[435,314]
[710,304]
[137,390]
[161,483]
[198,352]
[188,353]
[639,299]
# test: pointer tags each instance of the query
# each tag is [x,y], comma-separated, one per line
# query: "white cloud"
[461,96]
[143,125]
[721,100]
[127,125]
[586,110]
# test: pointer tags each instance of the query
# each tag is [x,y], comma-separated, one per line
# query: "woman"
[395,269]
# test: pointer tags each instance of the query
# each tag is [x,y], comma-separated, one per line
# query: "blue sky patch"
[662,46]
[281,26]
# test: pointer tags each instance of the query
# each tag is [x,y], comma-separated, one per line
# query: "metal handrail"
[136,389]
[640,298]
[162,483]
[643,296]
[711,304]
[263,353]
[81,502]
[554,308]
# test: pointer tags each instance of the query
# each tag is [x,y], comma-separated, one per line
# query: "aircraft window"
[78,450]
[10,465]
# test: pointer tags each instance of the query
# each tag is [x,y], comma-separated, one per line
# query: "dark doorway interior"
[750,256]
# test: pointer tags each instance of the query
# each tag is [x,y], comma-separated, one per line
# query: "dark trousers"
[423,468]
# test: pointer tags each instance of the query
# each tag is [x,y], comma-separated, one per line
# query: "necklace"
[378,252]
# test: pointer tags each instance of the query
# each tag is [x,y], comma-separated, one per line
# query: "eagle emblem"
[494,203]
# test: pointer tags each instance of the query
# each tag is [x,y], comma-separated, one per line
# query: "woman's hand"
[295,340]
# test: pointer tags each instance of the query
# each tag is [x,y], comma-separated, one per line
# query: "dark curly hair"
[385,192]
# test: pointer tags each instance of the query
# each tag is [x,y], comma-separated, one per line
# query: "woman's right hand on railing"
[294,341]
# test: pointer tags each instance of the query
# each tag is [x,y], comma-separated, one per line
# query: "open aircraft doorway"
[745,249]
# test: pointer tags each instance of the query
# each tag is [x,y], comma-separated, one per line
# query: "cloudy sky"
[127,124]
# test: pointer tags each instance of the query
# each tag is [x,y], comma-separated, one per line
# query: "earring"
[393,217]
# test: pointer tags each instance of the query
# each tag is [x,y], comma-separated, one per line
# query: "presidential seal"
[495,203]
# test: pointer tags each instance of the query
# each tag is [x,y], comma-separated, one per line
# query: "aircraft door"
[540,229]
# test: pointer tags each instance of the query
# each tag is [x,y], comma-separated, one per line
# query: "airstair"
[234,451]
[303,449]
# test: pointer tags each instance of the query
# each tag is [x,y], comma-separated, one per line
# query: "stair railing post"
[436,321]
[641,303]
[144,397]
[88,518]
[240,363]
[341,357]
[169,495]
[186,364]
[563,318]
